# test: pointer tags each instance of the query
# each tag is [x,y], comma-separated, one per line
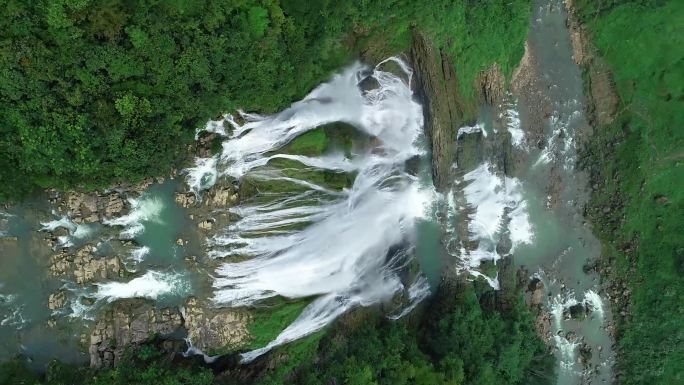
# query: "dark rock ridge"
[437,87]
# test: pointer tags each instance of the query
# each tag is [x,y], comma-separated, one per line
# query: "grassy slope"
[637,161]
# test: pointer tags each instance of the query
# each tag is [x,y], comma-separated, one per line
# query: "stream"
[521,196]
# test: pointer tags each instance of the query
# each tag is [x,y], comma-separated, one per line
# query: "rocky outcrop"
[185,200]
[84,267]
[534,299]
[57,300]
[222,197]
[93,207]
[604,99]
[437,87]
[128,324]
[6,240]
[492,85]
[212,329]
[206,146]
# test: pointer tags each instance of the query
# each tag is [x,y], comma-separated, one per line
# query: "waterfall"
[341,253]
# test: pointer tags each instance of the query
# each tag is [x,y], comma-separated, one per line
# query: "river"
[519,190]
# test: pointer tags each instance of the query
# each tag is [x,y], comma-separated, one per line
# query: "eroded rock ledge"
[437,87]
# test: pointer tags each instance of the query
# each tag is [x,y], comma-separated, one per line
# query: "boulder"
[185,200]
[369,83]
[206,225]
[112,205]
[536,293]
[577,312]
[57,300]
[84,267]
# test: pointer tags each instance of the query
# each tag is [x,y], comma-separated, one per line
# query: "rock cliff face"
[437,87]
[492,85]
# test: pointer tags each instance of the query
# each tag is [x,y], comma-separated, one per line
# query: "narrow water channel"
[521,196]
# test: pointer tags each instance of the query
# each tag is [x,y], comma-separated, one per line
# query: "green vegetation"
[149,368]
[466,335]
[311,143]
[637,167]
[97,91]
[269,322]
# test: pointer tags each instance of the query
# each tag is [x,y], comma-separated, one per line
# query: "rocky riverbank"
[89,250]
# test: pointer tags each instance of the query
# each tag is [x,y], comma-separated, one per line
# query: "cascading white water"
[417,292]
[143,209]
[512,119]
[342,255]
[497,207]
[561,146]
[139,253]
[567,350]
[77,232]
[152,285]
[594,302]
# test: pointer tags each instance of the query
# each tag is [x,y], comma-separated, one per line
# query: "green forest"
[95,92]
[636,162]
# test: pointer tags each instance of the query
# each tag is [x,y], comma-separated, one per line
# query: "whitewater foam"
[497,207]
[512,119]
[143,209]
[77,232]
[594,302]
[139,254]
[152,285]
[479,127]
[566,350]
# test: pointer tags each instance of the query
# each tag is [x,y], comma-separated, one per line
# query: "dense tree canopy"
[97,91]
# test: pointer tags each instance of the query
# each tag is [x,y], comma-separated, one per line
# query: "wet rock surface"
[443,110]
[528,89]
[603,97]
[126,325]
[84,267]
[214,329]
